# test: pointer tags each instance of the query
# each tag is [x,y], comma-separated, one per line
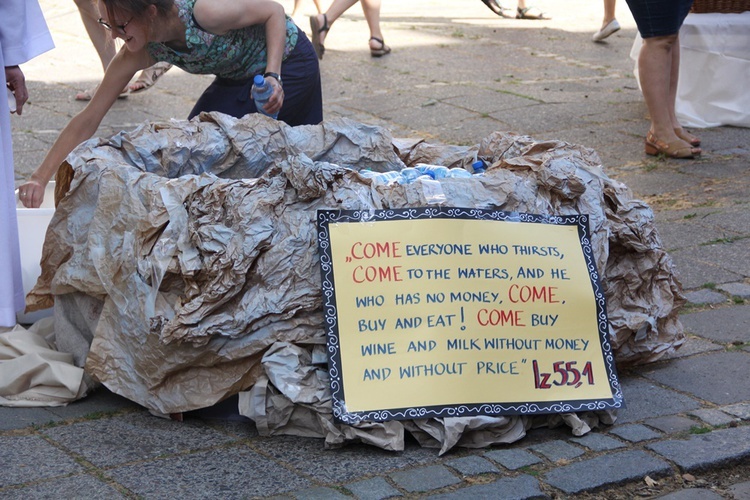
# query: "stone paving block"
[20,418]
[692,494]
[513,459]
[686,233]
[713,417]
[672,424]
[236,472]
[134,436]
[376,488]
[425,478]
[81,486]
[693,345]
[634,433]
[646,400]
[741,290]
[100,401]
[29,458]
[701,451]
[741,491]
[522,487]
[705,296]
[741,410]
[598,442]
[557,450]
[343,464]
[605,470]
[711,377]
[725,324]
[320,493]
[471,465]
[694,273]
[733,256]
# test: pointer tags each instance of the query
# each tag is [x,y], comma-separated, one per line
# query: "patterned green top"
[237,55]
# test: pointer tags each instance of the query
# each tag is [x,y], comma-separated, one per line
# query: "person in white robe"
[23,36]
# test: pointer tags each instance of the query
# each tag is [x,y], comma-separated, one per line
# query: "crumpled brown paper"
[196,244]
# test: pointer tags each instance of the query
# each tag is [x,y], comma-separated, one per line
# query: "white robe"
[23,35]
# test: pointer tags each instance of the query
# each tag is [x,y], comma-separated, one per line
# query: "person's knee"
[661,42]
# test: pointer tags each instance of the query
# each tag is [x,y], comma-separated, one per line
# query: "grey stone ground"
[457,73]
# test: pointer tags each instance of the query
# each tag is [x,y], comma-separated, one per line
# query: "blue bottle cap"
[259,80]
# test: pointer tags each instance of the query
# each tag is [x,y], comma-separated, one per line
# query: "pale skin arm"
[83,125]
[220,16]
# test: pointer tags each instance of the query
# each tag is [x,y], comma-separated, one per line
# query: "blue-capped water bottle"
[478,167]
[261,92]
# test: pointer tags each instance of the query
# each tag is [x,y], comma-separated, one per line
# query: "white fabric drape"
[23,35]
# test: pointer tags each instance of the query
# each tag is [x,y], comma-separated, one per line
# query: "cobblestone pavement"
[457,73]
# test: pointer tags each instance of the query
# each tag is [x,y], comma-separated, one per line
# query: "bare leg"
[674,80]
[335,10]
[654,72]
[658,67]
[298,3]
[674,76]
[103,44]
[371,10]
[609,12]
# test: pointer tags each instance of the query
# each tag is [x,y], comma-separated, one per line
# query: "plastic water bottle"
[478,167]
[261,92]
[434,171]
[410,174]
[390,177]
[458,172]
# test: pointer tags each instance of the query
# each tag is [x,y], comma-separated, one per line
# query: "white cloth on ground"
[33,372]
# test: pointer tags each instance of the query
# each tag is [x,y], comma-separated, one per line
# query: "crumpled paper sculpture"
[183,262]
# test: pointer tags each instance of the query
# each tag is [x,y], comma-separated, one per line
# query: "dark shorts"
[303,100]
[659,17]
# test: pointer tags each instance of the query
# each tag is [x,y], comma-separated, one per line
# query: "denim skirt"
[659,17]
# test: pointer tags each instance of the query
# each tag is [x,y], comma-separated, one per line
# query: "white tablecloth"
[714,87]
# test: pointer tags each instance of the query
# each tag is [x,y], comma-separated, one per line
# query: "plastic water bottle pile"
[422,171]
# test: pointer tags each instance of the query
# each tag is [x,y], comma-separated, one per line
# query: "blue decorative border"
[326,217]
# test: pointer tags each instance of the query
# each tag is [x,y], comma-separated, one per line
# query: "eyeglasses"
[117,28]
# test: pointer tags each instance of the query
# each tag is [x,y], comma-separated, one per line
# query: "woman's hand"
[17,83]
[277,98]
[31,193]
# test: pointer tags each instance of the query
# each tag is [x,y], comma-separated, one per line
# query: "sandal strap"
[325,26]
[380,41]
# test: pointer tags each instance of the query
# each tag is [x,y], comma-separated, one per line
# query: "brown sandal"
[148,77]
[675,149]
[687,137]
[382,50]
[317,29]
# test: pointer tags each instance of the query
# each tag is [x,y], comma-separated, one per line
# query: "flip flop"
[499,9]
[317,29]
[149,76]
[86,95]
[383,50]
[530,13]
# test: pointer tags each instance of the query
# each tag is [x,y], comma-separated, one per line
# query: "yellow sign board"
[437,312]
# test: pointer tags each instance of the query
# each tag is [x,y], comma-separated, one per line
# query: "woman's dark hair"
[137,7]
